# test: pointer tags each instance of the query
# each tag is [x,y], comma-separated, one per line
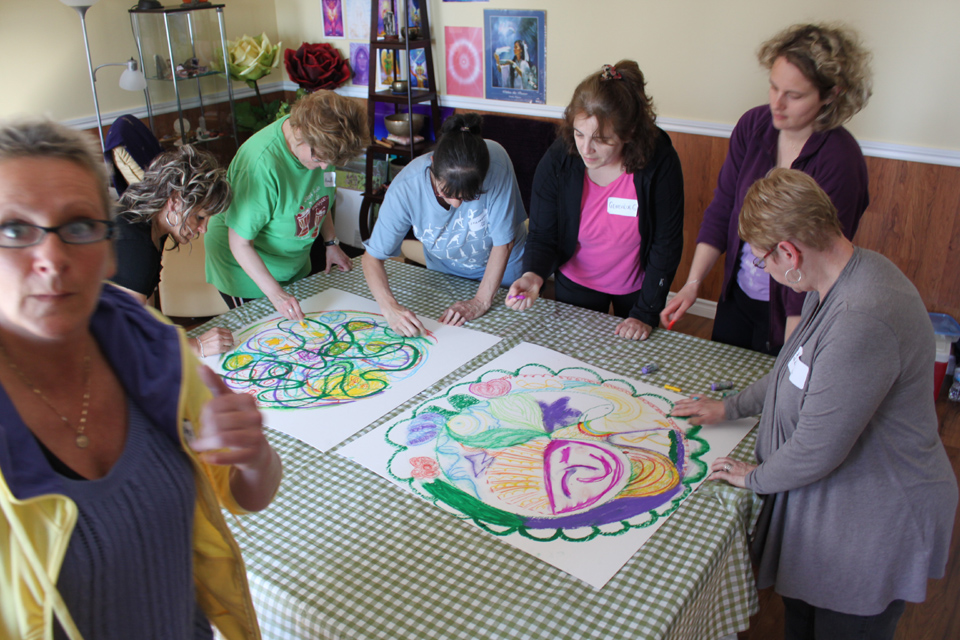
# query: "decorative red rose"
[316,66]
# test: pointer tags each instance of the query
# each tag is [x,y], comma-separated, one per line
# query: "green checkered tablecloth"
[342,553]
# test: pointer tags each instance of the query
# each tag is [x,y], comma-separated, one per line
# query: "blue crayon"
[720,386]
[650,368]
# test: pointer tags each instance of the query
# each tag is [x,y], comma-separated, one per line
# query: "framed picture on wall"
[514,47]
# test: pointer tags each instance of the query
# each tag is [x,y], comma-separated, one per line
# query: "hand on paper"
[633,329]
[336,256]
[403,321]
[524,291]
[731,470]
[463,311]
[217,340]
[231,433]
[699,410]
[287,306]
[677,305]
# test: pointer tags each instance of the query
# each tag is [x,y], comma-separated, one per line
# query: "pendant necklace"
[82,440]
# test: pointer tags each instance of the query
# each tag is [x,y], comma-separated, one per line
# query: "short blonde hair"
[832,58]
[334,127]
[48,139]
[787,204]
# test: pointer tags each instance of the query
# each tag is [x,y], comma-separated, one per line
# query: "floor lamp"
[131,79]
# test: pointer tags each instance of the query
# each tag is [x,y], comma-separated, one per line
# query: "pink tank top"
[607,258]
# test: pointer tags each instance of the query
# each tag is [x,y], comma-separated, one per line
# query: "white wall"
[698,55]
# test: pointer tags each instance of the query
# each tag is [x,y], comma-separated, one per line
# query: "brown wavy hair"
[832,58]
[620,104]
[335,127]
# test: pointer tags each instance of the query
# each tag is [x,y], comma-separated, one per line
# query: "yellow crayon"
[670,387]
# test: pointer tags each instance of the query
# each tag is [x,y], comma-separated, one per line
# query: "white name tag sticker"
[478,221]
[622,207]
[330,179]
[798,370]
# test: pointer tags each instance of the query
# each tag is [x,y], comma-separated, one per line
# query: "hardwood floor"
[938,618]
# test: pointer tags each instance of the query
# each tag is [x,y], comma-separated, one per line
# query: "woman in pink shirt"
[606,213]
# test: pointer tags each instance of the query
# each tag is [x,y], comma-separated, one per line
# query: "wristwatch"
[331,243]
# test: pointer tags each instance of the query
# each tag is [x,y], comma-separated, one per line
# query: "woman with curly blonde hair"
[819,79]
[180,191]
[284,194]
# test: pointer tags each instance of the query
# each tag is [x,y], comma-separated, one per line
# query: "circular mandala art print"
[549,455]
[341,356]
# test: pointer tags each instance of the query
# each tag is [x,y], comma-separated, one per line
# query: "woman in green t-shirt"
[283,194]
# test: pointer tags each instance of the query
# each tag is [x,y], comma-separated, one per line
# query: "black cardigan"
[555,220]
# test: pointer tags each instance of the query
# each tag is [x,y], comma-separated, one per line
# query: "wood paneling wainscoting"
[913,218]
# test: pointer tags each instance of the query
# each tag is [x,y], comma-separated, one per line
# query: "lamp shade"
[79,3]
[132,80]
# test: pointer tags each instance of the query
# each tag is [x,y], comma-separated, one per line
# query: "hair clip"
[467,129]
[608,72]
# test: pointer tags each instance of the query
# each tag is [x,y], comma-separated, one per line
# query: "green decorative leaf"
[518,411]
[462,401]
[497,438]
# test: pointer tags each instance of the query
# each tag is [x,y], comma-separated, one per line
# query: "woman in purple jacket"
[819,79]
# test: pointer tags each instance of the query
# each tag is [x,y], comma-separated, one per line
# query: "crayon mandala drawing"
[550,455]
[340,357]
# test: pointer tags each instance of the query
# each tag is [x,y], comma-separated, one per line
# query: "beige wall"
[45,70]
[698,55]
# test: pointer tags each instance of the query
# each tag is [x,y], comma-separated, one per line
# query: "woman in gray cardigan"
[859,491]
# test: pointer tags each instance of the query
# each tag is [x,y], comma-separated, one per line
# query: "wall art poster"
[344,369]
[360,62]
[573,464]
[515,44]
[418,69]
[332,18]
[464,61]
[358,19]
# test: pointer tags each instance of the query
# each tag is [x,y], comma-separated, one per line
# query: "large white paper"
[573,464]
[324,382]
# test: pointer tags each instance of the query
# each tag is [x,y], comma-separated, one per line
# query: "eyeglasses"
[760,263]
[18,235]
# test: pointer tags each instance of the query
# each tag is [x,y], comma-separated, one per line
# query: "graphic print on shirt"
[308,220]
[463,239]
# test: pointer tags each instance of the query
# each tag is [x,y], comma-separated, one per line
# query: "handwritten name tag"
[478,220]
[798,370]
[622,207]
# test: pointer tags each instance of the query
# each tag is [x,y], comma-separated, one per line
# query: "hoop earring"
[173,223]
[786,276]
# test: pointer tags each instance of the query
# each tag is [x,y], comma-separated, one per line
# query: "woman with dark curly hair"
[819,79]
[180,191]
[606,213]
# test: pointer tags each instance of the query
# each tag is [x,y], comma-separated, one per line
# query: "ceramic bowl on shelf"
[397,124]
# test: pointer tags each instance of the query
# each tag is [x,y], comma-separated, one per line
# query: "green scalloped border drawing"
[499,522]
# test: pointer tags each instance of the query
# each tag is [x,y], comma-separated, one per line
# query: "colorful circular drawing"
[549,455]
[341,356]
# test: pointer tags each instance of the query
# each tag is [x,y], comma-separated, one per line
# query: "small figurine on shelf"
[389,26]
[190,68]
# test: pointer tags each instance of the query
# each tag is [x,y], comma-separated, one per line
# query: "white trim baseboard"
[906,153]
